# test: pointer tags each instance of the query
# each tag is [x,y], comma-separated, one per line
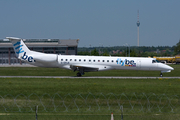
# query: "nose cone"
[165,67]
[171,68]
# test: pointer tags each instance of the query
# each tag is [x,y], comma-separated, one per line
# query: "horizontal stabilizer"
[13,38]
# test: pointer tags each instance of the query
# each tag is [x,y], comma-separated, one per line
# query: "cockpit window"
[155,61]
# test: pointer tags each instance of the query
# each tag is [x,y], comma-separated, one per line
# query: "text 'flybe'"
[126,62]
[28,58]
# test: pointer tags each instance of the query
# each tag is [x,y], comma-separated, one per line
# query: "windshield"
[155,61]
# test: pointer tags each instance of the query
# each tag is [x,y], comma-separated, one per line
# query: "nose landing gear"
[161,75]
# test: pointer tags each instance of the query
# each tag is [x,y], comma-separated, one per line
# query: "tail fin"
[19,46]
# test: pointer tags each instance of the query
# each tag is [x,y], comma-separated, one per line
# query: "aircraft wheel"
[161,75]
[78,74]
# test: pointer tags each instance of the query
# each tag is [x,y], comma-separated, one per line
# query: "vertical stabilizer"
[19,47]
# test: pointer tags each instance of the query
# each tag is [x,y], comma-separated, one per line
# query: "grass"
[64,86]
[80,89]
[158,91]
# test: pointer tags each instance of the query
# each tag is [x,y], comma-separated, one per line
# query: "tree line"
[133,51]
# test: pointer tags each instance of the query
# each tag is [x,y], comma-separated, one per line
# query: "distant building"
[53,46]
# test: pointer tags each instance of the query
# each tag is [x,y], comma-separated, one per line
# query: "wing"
[84,68]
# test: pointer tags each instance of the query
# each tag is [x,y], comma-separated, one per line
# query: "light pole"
[99,49]
[129,50]
[109,51]
[90,49]
[127,45]
[126,48]
[100,45]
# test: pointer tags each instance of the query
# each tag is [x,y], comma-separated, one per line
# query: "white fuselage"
[100,62]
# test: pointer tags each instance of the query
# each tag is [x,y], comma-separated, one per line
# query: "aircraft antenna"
[138,24]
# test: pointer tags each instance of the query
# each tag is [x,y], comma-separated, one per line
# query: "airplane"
[85,63]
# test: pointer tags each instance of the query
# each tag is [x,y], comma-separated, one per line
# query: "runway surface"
[92,77]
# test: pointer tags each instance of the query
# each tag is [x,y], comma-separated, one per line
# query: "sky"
[94,22]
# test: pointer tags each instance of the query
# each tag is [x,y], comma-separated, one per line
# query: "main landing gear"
[81,71]
[79,74]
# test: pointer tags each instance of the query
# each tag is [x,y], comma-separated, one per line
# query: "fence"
[102,103]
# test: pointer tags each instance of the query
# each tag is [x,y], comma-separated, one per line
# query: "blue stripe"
[18,46]
[18,43]
[20,51]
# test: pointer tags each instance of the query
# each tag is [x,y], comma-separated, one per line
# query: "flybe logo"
[126,62]
[18,47]
[28,58]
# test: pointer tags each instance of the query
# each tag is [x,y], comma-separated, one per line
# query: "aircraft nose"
[171,68]
[166,67]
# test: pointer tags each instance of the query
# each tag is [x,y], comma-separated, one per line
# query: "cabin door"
[138,64]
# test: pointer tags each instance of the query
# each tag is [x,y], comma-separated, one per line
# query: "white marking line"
[95,77]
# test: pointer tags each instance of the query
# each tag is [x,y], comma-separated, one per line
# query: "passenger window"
[94,60]
[98,60]
[112,61]
[66,59]
[79,59]
[70,59]
[107,60]
[89,60]
[103,60]
[61,59]
[84,60]
[74,59]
